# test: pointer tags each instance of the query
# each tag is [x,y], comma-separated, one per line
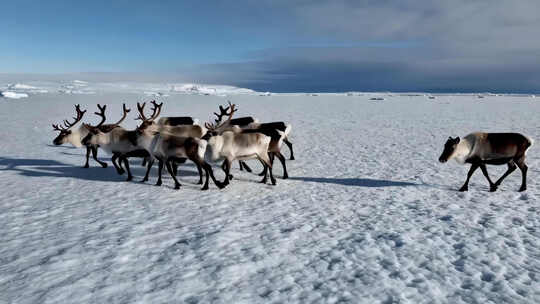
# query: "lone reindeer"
[481,149]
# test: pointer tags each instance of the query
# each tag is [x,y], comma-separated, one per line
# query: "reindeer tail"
[288,129]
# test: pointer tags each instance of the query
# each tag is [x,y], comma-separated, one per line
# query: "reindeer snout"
[442,160]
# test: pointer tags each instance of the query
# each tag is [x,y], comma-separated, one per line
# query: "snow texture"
[368,216]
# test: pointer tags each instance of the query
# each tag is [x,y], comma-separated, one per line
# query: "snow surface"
[13,95]
[368,216]
[150,89]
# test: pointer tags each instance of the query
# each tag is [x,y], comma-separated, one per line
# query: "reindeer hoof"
[144,180]
[285,176]
[274,182]
[204,188]
[463,189]
[230,176]
[522,189]
[104,165]
[292,158]
[130,178]
[493,188]
[200,182]
[176,187]
[120,172]
[158,183]
[86,166]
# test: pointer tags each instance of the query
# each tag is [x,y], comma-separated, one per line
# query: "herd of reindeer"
[173,140]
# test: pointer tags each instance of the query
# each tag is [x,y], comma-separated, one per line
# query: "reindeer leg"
[148,167]
[266,159]
[264,173]
[244,165]
[201,164]
[126,163]
[210,172]
[174,166]
[86,165]
[492,186]
[160,169]
[94,156]
[511,167]
[465,186]
[289,144]
[143,164]
[241,166]
[199,168]
[119,169]
[271,157]
[227,170]
[171,172]
[224,168]
[523,167]
[282,160]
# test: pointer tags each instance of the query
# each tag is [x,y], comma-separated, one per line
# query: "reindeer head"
[147,122]
[97,134]
[65,131]
[449,149]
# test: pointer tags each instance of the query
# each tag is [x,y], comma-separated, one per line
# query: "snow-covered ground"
[21,90]
[368,216]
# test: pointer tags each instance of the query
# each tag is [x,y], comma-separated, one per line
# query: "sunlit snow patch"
[13,95]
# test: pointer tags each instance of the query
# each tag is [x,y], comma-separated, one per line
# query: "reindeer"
[240,121]
[166,147]
[277,131]
[115,140]
[481,149]
[175,121]
[72,135]
[195,131]
[229,145]
[252,123]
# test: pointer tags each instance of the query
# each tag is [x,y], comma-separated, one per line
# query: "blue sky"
[340,45]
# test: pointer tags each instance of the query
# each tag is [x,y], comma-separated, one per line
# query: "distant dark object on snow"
[376,98]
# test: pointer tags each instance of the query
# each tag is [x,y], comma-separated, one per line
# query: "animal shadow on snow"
[53,168]
[358,182]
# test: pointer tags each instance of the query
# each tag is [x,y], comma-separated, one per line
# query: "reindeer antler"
[156,110]
[225,111]
[58,128]
[140,109]
[157,107]
[229,111]
[78,118]
[101,113]
[232,111]
[68,124]
[124,114]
